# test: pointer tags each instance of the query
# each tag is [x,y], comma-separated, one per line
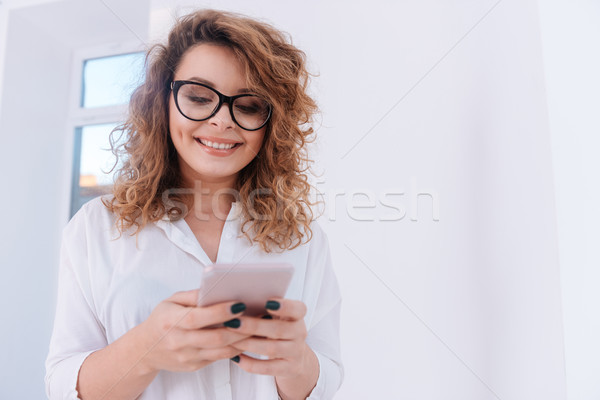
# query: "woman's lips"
[212,139]
[217,152]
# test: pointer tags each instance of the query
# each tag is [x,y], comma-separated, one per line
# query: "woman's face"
[215,66]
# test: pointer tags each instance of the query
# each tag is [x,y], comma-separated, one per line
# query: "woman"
[213,173]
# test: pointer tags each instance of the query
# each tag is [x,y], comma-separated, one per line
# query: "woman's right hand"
[176,338]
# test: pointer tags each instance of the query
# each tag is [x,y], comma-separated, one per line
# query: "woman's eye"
[247,109]
[199,100]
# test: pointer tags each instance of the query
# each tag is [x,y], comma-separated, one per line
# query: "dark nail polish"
[235,359]
[267,317]
[237,308]
[234,323]
[272,305]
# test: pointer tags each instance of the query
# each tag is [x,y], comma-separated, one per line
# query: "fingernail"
[267,316]
[237,308]
[235,359]
[272,305]
[234,323]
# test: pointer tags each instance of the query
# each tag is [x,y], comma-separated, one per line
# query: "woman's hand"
[282,339]
[176,338]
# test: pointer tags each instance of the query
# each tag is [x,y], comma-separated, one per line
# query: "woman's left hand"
[282,339]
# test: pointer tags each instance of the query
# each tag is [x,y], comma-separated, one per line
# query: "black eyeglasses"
[198,102]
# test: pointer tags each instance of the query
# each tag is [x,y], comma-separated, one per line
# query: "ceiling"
[79,23]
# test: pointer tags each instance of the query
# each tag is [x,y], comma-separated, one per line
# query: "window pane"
[109,81]
[93,161]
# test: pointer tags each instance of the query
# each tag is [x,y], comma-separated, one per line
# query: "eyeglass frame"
[176,85]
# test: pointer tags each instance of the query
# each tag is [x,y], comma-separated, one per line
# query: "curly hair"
[274,69]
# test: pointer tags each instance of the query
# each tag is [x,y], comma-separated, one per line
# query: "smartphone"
[252,284]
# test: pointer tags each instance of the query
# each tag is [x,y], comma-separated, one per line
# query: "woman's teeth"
[220,146]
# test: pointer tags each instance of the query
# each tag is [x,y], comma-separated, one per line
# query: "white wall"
[571,43]
[32,132]
[452,100]
[483,282]
[5,7]
[38,43]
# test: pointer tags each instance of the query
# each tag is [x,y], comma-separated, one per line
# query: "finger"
[276,367]
[218,353]
[202,317]
[194,359]
[183,340]
[286,308]
[269,347]
[185,298]
[211,338]
[271,328]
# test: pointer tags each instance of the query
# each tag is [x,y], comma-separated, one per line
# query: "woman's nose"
[222,119]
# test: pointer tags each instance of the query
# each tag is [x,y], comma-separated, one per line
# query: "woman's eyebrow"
[209,83]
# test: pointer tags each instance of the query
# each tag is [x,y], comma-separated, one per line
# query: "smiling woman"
[213,173]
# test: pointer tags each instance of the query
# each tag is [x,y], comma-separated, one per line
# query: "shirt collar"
[181,235]
[233,204]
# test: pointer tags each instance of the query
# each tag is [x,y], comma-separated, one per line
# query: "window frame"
[78,117]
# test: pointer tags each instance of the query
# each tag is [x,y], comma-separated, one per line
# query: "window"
[101,95]
[109,81]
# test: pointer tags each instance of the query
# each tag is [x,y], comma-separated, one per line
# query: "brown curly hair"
[274,69]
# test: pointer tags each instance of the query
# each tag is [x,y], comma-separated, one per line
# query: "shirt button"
[228,235]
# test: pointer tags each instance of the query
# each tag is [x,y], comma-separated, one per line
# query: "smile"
[216,145]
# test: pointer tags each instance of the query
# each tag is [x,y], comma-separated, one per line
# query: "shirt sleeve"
[324,327]
[77,330]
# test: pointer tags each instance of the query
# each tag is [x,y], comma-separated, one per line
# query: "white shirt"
[106,287]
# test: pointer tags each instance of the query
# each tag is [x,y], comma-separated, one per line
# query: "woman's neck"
[212,198]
